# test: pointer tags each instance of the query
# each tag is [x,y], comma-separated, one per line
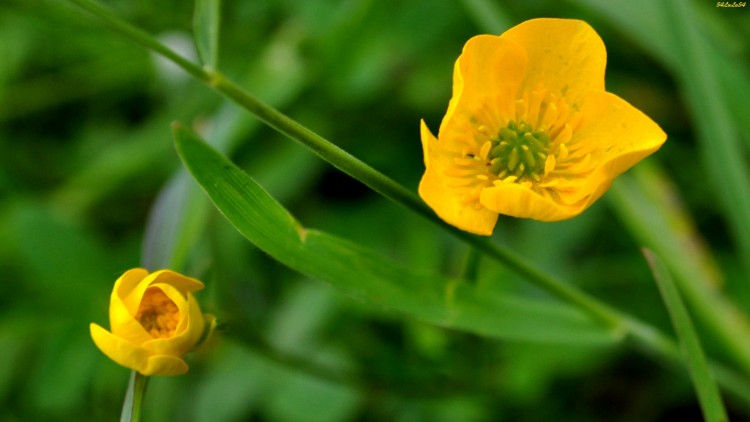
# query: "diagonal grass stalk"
[708,394]
[640,333]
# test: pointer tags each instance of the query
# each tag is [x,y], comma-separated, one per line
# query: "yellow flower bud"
[154,320]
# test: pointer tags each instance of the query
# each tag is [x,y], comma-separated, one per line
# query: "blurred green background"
[89,180]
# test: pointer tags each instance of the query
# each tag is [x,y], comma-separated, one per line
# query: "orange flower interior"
[158,314]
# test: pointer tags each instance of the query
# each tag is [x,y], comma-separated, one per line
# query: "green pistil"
[519,151]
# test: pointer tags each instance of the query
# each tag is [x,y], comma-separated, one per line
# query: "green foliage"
[91,185]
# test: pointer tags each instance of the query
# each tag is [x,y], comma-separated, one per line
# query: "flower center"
[157,314]
[519,151]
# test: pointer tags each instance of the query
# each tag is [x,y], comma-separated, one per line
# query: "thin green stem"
[639,332]
[131,408]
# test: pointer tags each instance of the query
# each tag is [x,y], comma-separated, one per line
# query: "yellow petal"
[448,202]
[625,134]
[622,133]
[132,299]
[519,201]
[119,350]
[164,366]
[458,88]
[121,315]
[126,284]
[180,282]
[124,325]
[488,68]
[565,56]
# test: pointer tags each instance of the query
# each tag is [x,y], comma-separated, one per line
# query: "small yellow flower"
[530,131]
[155,320]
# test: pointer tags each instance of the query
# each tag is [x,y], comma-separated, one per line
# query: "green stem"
[131,408]
[641,333]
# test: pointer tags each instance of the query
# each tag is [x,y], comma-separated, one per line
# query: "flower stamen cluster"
[157,314]
[518,151]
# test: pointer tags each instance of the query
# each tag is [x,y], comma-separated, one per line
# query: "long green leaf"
[369,277]
[705,386]
[206,23]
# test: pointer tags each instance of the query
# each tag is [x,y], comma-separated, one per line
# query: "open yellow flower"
[530,131]
[155,320]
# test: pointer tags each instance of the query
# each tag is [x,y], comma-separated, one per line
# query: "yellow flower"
[530,131]
[155,320]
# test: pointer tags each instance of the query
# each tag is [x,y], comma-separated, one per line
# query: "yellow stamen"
[157,314]
[485,150]
[549,165]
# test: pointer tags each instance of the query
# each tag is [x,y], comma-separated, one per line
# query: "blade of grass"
[206,24]
[705,386]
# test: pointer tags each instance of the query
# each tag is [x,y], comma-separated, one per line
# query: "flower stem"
[131,409]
